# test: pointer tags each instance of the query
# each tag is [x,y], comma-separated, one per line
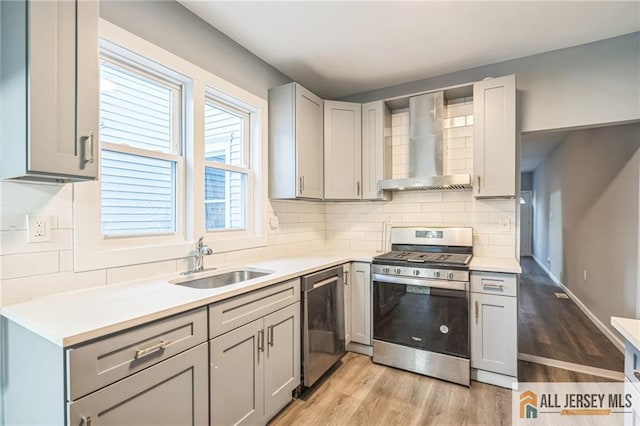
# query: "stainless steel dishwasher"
[322,322]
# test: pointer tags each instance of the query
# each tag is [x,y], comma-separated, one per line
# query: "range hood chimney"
[426,149]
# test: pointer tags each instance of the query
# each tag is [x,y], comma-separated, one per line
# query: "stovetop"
[417,258]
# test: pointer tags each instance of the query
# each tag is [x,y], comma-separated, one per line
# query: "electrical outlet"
[38,229]
[505,224]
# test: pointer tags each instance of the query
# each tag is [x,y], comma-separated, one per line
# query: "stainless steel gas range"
[421,302]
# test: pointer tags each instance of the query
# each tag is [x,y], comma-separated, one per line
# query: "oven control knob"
[437,274]
[386,269]
[416,272]
[450,275]
[398,270]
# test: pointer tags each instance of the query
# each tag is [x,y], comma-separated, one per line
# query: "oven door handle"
[449,285]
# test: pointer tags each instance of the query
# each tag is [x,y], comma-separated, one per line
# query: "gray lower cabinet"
[255,368]
[494,325]
[361,303]
[172,392]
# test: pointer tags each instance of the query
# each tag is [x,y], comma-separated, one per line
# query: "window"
[140,140]
[183,154]
[227,166]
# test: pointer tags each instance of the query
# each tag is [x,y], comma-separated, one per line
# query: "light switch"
[505,224]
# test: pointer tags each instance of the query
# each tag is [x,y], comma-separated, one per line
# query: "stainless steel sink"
[222,279]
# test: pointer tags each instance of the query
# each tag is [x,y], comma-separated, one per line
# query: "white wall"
[168,24]
[585,85]
[586,196]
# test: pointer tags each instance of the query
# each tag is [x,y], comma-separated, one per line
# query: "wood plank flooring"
[359,392]
[556,328]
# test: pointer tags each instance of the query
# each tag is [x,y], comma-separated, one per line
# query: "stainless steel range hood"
[426,149]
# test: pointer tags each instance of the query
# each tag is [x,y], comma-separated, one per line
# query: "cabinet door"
[173,392]
[282,365]
[309,144]
[361,303]
[346,268]
[342,150]
[494,338]
[63,87]
[494,137]
[236,374]
[376,149]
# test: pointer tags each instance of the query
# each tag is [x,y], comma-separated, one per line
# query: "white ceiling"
[535,148]
[341,48]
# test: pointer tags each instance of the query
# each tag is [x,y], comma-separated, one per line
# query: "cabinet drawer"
[493,283]
[102,362]
[240,310]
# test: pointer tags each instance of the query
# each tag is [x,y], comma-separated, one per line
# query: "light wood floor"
[359,392]
[556,328]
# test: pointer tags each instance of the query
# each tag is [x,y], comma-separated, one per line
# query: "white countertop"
[495,264]
[72,318]
[629,328]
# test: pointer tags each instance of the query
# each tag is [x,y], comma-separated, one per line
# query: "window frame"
[93,251]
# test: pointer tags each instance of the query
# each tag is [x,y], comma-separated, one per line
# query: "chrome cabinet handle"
[87,149]
[261,341]
[346,277]
[270,336]
[478,184]
[146,351]
[300,184]
[477,313]
[85,421]
[358,185]
[303,183]
[493,287]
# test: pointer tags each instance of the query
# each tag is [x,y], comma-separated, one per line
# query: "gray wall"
[171,26]
[586,217]
[586,85]
[526,181]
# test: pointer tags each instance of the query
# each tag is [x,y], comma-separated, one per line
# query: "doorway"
[526,223]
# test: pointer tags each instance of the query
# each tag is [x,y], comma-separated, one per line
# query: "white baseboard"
[579,368]
[494,379]
[360,348]
[603,328]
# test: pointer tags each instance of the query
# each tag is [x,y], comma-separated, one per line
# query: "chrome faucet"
[201,251]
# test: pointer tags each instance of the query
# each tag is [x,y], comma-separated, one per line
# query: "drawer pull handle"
[488,286]
[86,421]
[270,336]
[146,351]
[637,374]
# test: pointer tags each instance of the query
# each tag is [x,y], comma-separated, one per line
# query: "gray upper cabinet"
[50,89]
[296,166]
[342,151]
[494,137]
[376,149]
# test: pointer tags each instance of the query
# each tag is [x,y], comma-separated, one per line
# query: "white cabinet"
[376,149]
[494,323]
[494,137]
[360,283]
[50,88]
[254,369]
[296,150]
[342,150]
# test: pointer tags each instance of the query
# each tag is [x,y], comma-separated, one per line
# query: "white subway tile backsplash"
[403,207]
[449,206]
[29,264]
[141,271]
[15,242]
[66,260]
[22,289]
[65,218]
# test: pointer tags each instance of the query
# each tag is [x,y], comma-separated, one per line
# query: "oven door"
[431,315]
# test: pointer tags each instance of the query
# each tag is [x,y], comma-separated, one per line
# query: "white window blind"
[140,147]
